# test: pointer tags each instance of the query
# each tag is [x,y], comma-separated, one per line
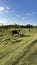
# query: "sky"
[21,12]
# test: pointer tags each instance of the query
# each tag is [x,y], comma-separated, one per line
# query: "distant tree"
[29,26]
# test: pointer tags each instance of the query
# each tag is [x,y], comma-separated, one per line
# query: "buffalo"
[15,32]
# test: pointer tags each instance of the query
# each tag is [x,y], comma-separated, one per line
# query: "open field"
[18,49]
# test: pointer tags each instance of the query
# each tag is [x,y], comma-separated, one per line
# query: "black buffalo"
[15,32]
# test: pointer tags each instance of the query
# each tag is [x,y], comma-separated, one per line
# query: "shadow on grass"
[16,41]
[22,35]
[7,39]
[1,35]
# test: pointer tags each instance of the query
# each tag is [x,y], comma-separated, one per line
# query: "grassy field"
[18,49]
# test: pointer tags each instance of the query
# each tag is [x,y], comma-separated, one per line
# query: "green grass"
[18,49]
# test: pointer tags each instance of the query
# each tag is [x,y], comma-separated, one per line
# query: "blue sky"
[18,11]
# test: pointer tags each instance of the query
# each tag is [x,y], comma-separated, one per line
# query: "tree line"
[18,26]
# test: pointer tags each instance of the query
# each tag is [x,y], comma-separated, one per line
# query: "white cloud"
[17,15]
[29,13]
[21,17]
[7,8]
[32,13]
[4,9]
